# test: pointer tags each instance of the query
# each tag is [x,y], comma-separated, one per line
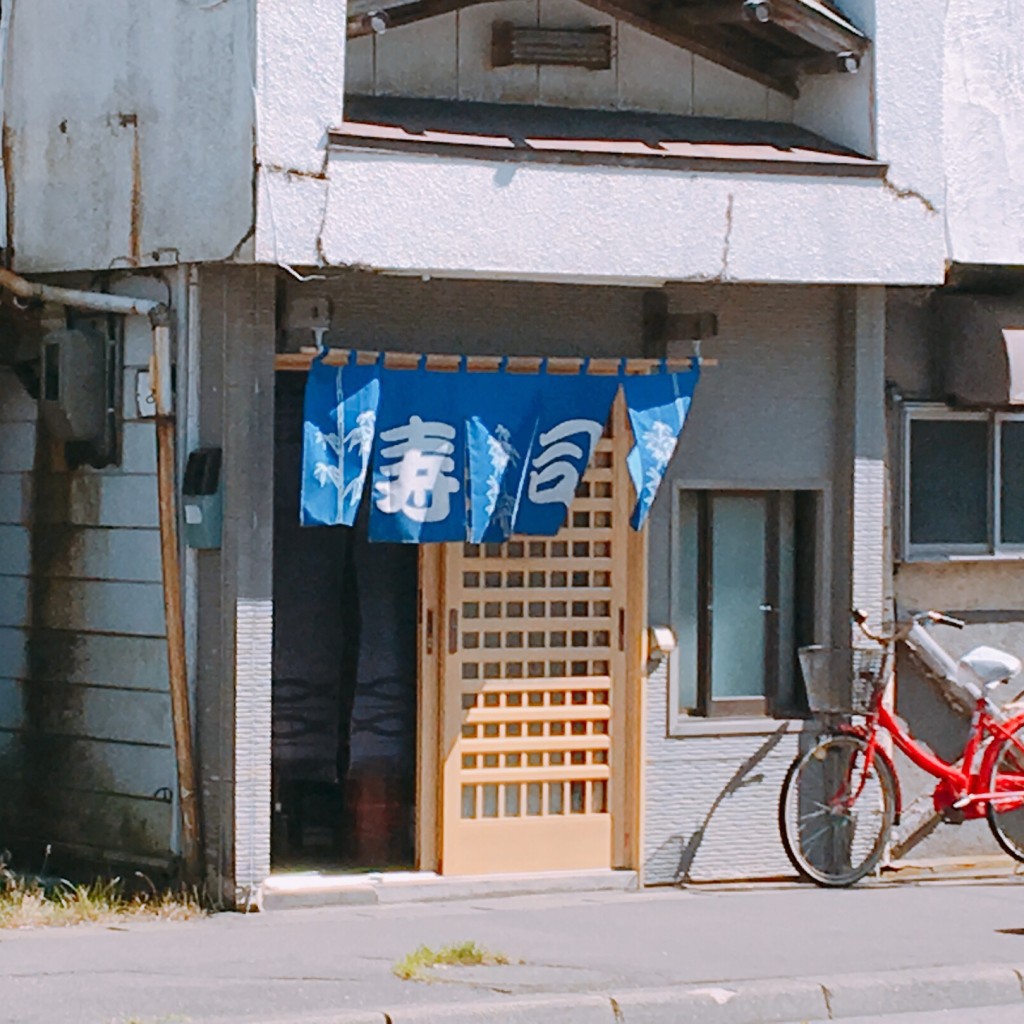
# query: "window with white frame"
[963,488]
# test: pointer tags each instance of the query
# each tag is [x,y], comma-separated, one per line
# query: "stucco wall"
[983,129]
[128,131]
[594,224]
[300,86]
[608,224]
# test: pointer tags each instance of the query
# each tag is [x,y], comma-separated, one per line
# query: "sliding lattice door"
[532,645]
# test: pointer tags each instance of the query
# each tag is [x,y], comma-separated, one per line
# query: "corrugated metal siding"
[95,705]
[17,453]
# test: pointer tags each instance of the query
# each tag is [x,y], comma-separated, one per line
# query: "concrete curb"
[290,892]
[768,1001]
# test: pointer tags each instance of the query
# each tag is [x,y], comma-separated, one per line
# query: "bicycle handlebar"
[942,619]
[938,618]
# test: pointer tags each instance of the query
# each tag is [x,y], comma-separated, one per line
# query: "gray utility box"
[203,499]
[73,398]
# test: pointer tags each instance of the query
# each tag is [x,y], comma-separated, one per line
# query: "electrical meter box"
[73,396]
[202,499]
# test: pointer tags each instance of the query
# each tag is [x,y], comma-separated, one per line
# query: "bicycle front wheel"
[1006,809]
[836,811]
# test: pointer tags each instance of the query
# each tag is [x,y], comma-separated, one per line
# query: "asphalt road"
[307,962]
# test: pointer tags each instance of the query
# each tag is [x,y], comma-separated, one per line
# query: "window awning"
[477,452]
[983,342]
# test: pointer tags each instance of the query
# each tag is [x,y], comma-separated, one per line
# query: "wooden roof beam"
[674,26]
[817,26]
[395,15]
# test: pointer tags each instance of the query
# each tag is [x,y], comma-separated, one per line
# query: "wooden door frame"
[627,820]
[429,676]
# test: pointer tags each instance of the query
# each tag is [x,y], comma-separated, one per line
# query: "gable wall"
[449,58]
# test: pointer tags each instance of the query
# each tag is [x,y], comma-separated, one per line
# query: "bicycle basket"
[841,681]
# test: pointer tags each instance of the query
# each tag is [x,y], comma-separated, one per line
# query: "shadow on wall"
[743,776]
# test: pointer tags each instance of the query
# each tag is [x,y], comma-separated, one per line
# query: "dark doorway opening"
[344,679]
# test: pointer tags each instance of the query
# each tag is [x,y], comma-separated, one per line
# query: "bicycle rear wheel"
[1006,812]
[835,812]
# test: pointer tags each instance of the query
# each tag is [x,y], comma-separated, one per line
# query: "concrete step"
[290,890]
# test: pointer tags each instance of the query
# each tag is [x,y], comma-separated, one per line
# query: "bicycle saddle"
[990,666]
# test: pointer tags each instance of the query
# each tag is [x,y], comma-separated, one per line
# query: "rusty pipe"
[97,302]
[174,613]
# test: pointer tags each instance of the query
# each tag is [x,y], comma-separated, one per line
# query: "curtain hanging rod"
[599,365]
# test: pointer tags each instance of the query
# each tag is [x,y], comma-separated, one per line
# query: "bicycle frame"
[959,787]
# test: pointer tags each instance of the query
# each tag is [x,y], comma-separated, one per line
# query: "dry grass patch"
[28,904]
[416,966]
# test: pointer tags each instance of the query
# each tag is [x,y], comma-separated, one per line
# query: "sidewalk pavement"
[752,955]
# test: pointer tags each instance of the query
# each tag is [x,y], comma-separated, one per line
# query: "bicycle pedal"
[953,816]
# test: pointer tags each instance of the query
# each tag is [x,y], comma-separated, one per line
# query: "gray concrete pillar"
[860,519]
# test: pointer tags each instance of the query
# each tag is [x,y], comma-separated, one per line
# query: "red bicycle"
[841,798]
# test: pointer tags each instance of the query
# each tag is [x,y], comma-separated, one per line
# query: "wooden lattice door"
[533,649]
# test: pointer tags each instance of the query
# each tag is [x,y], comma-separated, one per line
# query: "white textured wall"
[440,215]
[892,109]
[129,127]
[984,130]
[300,86]
[431,214]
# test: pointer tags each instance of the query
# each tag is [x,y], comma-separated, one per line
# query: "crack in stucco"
[908,193]
[294,172]
[234,254]
[827,996]
[320,254]
[724,272]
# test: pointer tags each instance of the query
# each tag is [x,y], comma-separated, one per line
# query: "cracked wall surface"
[439,215]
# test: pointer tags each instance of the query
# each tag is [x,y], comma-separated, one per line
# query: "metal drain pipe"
[170,552]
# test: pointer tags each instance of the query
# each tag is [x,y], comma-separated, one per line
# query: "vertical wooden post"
[170,557]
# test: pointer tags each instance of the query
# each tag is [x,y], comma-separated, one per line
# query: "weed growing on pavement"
[416,966]
[26,903]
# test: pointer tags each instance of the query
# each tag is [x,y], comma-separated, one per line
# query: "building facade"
[279,174]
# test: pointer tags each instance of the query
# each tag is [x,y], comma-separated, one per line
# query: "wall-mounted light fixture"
[758,10]
[848,62]
[377,21]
